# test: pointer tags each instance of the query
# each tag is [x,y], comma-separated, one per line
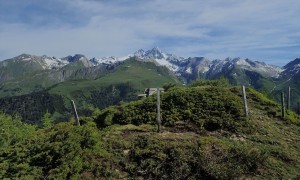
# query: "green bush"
[208,107]
[152,158]
[13,130]
[222,82]
[63,151]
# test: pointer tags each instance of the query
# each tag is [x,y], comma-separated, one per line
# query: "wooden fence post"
[158,110]
[282,105]
[75,113]
[245,101]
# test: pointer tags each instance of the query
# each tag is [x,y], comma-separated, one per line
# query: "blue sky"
[263,30]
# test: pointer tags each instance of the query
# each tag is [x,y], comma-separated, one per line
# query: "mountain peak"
[23,57]
[139,53]
[156,49]
[292,64]
[74,58]
[292,67]
[155,53]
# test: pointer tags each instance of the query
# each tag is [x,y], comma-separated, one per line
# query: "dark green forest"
[31,107]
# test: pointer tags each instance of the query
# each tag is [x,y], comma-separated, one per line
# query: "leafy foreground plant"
[62,152]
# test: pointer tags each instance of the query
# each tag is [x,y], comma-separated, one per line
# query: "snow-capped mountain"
[52,62]
[160,58]
[200,66]
[44,62]
[155,55]
[25,64]
[190,68]
[108,60]
[266,70]
[47,63]
[79,58]
[291,68]
[75,58]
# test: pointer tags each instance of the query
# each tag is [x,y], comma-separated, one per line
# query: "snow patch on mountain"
[292,68]
[108,60]
[260,67]
[44,61]
[52,63]
[179,65]
[168,64]
[26,59]
[161,58]
[189,70]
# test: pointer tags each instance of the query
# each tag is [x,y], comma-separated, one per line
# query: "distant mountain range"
[192,67]
[26,74]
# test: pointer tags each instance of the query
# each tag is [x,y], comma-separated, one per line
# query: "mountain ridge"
[238,70]
[177,64]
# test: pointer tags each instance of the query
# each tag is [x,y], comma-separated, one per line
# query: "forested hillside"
[123,83]
[204,135]
[29,81]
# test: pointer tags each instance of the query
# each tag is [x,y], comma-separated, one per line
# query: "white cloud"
[215,28]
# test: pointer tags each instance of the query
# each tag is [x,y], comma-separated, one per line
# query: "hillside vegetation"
[92,86]
[205,135]
[123,83]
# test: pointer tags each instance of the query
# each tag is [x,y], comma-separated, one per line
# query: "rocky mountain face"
[56,69]
[291,69]
[237,70]
[200,67]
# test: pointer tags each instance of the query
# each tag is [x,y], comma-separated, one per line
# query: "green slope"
[204,136]
[15,68]
[134,75]
[238,76]
[34,82]
[282,86]
[140,74]
[123,83]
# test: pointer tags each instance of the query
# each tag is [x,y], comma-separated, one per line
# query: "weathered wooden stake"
[158,110]
[245,101]
[289,99]
[75,113]
[282,105]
